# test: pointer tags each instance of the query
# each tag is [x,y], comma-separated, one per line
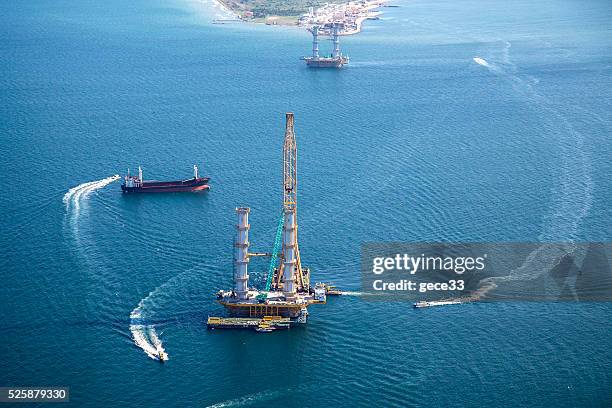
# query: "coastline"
[360,20]
[226,9]
[354,19]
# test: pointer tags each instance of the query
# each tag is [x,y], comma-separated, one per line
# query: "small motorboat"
[162,355]
[264,328]
[424,303]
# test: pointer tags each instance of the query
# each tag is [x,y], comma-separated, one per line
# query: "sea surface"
[471,121]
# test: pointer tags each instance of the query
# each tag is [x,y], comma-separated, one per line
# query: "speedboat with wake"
[162,355]
[424,303]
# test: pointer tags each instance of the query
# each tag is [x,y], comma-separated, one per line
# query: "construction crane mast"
[289,166]
[290,272]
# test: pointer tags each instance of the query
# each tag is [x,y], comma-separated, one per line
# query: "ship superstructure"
[287,292]
[336,59]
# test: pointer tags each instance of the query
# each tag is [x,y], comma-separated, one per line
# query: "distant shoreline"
[353,20]
[227,9]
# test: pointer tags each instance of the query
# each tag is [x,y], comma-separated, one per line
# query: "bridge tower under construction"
[337,59]
[287,292]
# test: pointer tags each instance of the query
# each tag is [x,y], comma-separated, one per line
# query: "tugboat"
[136,184]
[332,290]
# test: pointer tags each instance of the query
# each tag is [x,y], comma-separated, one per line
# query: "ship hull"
[326,62]
[191,185]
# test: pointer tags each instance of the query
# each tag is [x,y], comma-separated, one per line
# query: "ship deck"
[273,322]
[273,304]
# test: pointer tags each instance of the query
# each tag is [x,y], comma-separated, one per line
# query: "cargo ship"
[136,184]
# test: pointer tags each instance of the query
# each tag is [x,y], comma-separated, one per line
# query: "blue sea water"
[415,141]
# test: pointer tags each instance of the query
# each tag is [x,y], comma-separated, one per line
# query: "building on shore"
[351,15]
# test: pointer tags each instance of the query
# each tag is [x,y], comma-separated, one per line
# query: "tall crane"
[290,273]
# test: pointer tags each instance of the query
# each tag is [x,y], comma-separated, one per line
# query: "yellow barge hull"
[266,322]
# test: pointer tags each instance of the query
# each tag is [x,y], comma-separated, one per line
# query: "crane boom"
[277,244]
[290,270]
[289,166]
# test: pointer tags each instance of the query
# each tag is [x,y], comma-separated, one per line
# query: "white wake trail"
[351,293]
[573,195]
[73,190]
[145,336]
[250,399]
[140,339]
[72,199]
[156,341]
